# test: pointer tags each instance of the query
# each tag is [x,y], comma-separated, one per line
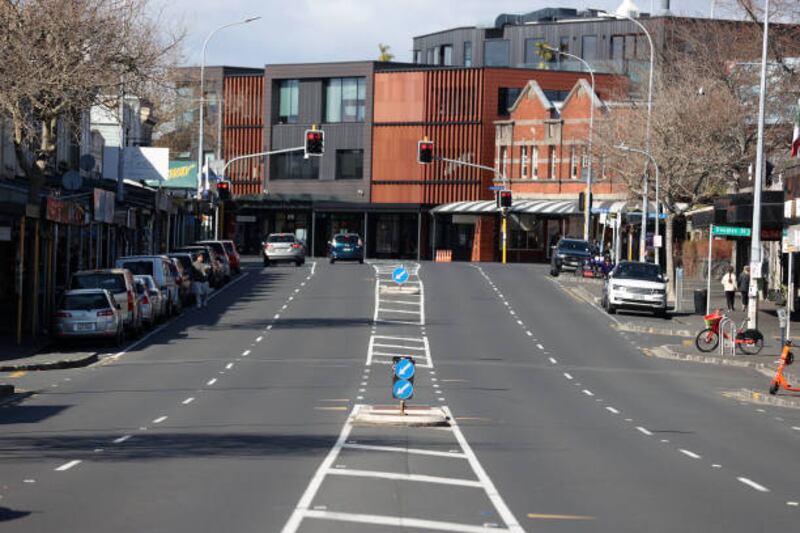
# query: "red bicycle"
[750,341]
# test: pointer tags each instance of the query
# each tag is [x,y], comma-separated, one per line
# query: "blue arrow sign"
[400,275]
[402,389]
[404,369]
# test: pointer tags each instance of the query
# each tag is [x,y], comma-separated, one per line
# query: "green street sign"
[731,231]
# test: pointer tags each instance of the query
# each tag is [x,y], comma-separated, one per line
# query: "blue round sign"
[402,389]
[404,369]
[400,275]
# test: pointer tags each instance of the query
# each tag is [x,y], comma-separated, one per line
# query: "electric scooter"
[779,381]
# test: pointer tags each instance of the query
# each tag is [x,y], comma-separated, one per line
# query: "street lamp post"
[587,217]
[755,239]
[643,237]
[200,174]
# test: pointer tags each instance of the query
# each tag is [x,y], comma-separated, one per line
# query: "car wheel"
[610,309]
[266,262]
[361,261]
[554,272]
[773,388]
[332,260]
[661,313]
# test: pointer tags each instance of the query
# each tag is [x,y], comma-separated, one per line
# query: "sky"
[299,31]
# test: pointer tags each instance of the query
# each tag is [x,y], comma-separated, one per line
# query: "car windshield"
[139,267]
[642,271]
[185,262]
[114,283]
[147,281]
[573,246]
[228,247]
[346,239]
[280,238]
[217,247]
[85,302]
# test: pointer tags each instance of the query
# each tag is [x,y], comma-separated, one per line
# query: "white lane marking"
[612,410]
[796,428]
[689,453]
[296,291]
[491,491]
[512,312]
[122,439]
[588,392]
[245,353]
[187,401]
[568,375]
[716,466]
[399,347]
[752,484]
[406,477]
[529,333]
[398,521]
[519,322]
[34,481]
[159,419]
[793,504]
[399,449]
[276,317]
[283,308]
[540,346]
[228,366]
[552,360]
[401,311]
[644,431]
[211,381]
[259,339]
[269,327]
[67,466]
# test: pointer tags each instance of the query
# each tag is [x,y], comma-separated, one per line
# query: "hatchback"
[222,255]
[119,282]
[284,247]
[162,270]
[233,255]
[158,304]
[89,313]
[346,247]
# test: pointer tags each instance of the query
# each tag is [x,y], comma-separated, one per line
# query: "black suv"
[569,254]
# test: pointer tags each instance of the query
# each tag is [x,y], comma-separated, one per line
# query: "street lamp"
[587,217]
[643,237]
[200,175]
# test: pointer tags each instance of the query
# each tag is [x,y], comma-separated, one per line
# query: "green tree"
[385,55]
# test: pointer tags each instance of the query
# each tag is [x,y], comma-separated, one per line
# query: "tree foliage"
[385,54]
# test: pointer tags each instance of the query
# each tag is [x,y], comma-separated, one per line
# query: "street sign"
[731,231]
[400,275]
[496,188]
[402,389]
[404,369]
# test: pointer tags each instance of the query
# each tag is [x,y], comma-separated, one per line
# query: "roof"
[532,89]
[587,87]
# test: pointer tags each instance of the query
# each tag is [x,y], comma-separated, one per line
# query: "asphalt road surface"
[238,419]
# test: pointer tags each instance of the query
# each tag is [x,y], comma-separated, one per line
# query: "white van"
[157,266]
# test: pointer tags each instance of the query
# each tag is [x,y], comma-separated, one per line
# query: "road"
[238,418]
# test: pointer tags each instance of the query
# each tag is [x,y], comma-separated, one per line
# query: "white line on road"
[259,339]
[398,521]
[612,410]
[269,327]
[529,333]
[796,428]
[211,381]
[122,439]
[644,431]
[588,392]
[245,353]
[519,322]
[752,484]
[552,360]
[276,317]
[689,453]
[159,419]
[567,375]
[67,466]
[228,366]
[407,477]
[540,346]
[187,401]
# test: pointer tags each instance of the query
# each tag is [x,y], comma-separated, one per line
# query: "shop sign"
[163,202]
[104,206]
[64,212]
[464,219]
[791,239]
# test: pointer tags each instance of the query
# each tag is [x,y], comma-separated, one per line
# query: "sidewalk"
[39,354]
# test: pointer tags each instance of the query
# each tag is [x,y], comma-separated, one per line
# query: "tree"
[385,55]
[61,57]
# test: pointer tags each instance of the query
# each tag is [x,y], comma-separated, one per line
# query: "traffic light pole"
[504,211]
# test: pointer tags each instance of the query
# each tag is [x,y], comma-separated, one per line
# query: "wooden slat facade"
[243,131]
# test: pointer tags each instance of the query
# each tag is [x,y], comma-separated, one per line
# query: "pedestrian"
[200,281]
[744,286]
[729,286]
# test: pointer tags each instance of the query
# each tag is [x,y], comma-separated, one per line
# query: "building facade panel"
[243,130]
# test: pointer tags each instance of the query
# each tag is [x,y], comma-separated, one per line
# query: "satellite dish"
[87,162]
[72,180]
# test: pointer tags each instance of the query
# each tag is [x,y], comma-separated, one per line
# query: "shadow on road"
[7,514]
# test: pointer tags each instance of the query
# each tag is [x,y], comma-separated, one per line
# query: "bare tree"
[60,57]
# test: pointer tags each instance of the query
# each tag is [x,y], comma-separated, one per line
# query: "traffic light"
[425,152]
[315,142]
[582,202]
[224,190]
[504,199]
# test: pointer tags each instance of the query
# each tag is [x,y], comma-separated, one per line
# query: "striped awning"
[544,207]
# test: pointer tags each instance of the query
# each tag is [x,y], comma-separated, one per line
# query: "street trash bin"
[700,297]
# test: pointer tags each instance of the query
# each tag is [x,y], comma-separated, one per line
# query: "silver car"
[156,298]
[284,247]
[89,313]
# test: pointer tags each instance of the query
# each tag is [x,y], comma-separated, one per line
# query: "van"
[119,282]
[160,268]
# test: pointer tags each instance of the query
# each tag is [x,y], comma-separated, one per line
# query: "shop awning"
[544,207]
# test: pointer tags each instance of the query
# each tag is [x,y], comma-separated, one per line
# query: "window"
[589,47]
[617,47]
[447,55]
[506,96]
[523,162]
[468,53]
[349,164]
[344,99]
[495,53]
[289,99]
[532,48]
[417,56]
[292,166]
[573,164]
[430,56]
[553,167]
[630,47]
[503,161]
[525,232]
[437,55]
[563,44]
[556,96]
[584,164]
[535,162]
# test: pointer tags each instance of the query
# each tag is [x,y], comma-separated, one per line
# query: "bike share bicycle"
[749,340]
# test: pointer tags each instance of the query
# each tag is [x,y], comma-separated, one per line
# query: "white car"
[637,286]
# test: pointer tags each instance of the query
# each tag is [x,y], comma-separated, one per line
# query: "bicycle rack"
[732,335]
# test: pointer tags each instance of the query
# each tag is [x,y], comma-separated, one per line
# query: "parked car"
[158,304]
[185,262]
[569,254]
[89,313]
[217,276]
[284,248]
[219,248]
[146,310]
[119,282]
[346,247]
[233,255]
[176,270]
[635,285]
[160,267]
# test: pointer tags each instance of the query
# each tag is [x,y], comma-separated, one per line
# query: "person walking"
[729,286]
[744,285]
[200,282]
